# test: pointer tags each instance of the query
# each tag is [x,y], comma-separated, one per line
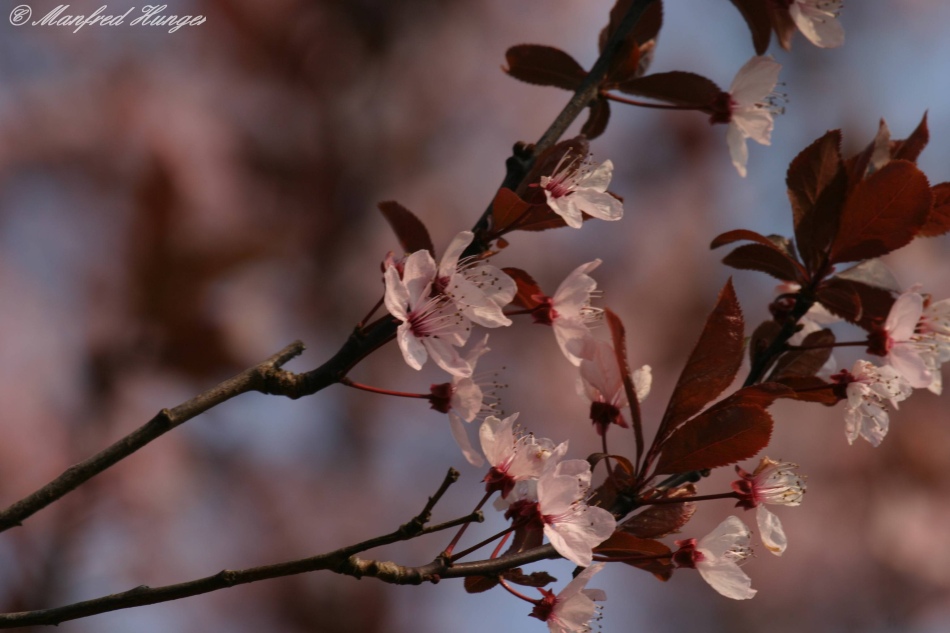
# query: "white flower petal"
[461,438]
[770,530]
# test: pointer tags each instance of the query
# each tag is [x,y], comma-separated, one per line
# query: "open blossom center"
[565,181]
[430,319]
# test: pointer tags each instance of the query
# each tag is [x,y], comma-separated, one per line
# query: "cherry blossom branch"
[262,377]
[343,561]
[523,156]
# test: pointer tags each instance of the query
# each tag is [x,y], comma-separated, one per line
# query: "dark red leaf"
[657,521]
[811,389]
[544,66]
[817,184]
[717,437]
[782,23]
[646,28]
[627,548]
[740,235]
[766,260]
[884,212]
[756,15]
[527,288]
[619,339]
[409,230]
[478,584]
[597,121]
[855,301]
[534,579]
[676,87]
[711,366]
[507,210]
[938,222]
[805,362]
[911,147]
[761,395]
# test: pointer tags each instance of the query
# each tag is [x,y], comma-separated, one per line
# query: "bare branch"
[343,561]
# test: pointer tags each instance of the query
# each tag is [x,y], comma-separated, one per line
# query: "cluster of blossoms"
[719,555]
[915,342]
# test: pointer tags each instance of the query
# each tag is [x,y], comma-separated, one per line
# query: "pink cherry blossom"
[717,557]
[514,457]
[867,389]
[466,399]
[571,610]
[750,108]
[431,326]
[818,21]
[573,527]
[581,186]
[478,289]
[774,483]
[569,311]
[899,342]
[602,383]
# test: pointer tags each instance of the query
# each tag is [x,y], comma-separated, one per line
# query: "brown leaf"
[911,147]
[756,16]
[817,184]
[767,260]
[805,362]
[627,547]
[938,221]
[597,121]
[527,288]
[662,519]
[507,209]
[717,437]
[410,231]
[478,584]
[534,579]
[544,66]
[676,87]
[711,366]
[855,301]
[810,389]
[885,211]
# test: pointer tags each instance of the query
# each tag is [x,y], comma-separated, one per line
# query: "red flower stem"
[478,546]
[359,326]
[501,544]
[515,592]
[386,392]
[721,495]
[647,104]
[447,552]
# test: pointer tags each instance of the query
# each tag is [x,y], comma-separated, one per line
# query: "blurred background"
[178,206]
